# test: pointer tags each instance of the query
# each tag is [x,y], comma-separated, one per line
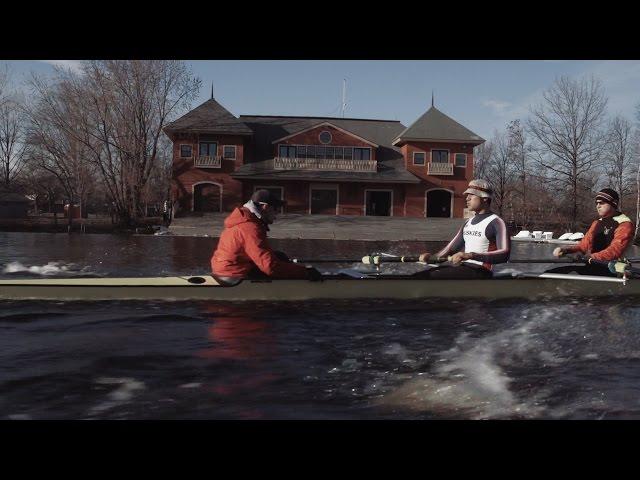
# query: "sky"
[483,95]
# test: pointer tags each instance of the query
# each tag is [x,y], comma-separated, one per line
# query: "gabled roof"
[436,126]
[269,128]
[210,117]
[325,124]
[266,129]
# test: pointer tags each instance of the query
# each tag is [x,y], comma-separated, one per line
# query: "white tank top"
[475,237]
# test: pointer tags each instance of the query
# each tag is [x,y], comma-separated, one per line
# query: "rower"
[479,244]
[243,251]
[606,240]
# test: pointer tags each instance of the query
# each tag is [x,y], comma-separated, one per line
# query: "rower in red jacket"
[243,251]
[606,240]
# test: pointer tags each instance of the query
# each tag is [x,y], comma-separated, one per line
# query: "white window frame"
[425,159]
[377,190]
[325,186]
[209,143]
[446,190]
[258,187]
[440,150]
[193,193]
[185,145]
[235,152]
[465,160]
[362,148]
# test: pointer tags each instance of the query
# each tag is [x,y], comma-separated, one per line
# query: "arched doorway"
[438,203]
[207,197]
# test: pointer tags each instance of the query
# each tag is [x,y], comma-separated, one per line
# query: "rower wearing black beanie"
[607,238]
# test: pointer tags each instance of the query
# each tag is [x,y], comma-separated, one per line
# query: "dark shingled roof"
[210,117]
[267,129]
[435,125]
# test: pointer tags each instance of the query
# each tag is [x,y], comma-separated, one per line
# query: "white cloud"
[498,106]
[73,65]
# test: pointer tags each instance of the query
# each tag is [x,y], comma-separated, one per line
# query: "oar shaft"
[326,260]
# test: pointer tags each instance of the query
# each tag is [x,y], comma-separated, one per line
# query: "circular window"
[325,137]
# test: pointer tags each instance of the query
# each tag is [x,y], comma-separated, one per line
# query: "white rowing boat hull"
[179,288]
[544,240]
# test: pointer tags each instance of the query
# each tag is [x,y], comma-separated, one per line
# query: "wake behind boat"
[345,285]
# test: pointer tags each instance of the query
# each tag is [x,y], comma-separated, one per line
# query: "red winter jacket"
[607,238]
[243,246]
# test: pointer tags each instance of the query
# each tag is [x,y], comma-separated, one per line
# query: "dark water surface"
[564,359]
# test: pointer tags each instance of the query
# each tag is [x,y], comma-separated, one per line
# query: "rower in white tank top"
[476,239]
[479,244]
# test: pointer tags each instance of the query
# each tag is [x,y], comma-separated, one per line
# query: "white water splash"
[127,388]
[19,416]
[469,381]
[51,268]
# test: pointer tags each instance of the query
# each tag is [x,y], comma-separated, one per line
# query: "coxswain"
[243,251]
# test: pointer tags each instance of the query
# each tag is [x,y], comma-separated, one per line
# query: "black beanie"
[609,196]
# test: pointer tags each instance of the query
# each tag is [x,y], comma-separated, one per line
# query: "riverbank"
[50,224]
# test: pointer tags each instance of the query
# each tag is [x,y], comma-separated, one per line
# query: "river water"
[432,359]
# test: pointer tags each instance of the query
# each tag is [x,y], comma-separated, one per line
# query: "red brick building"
[337,166]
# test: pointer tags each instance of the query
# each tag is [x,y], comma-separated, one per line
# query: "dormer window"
[325,137]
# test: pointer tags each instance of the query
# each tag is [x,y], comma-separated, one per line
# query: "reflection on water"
[562,358]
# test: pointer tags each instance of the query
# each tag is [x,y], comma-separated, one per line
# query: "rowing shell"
[525,286]
[544,240]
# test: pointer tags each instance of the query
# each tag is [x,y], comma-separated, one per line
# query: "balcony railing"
[438,168]
[208,162]
[287,163]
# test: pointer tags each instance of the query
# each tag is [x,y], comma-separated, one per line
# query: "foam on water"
[125,391]
[51,268]
[469,379]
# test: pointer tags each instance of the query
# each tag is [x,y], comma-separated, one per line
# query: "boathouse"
[321,165]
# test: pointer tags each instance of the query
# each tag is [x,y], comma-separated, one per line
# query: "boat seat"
[547,235]
[576,236]
[565,236]
[523,233]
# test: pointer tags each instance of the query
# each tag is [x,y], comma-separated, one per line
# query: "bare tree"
[13,145]
[567,126]
[123,107]
[12,132]
[519,151]
[54,146]
[482,159]
[500,170]
[619,158]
